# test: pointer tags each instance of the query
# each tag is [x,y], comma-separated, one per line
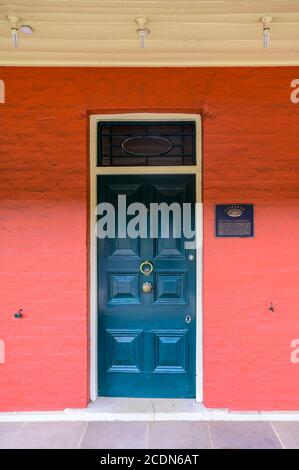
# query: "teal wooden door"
[146,340]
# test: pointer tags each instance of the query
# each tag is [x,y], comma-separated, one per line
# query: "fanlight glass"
[146,143]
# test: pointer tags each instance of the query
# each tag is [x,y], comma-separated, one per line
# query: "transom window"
[146,143]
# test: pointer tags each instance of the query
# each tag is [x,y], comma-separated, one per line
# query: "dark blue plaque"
[234,220]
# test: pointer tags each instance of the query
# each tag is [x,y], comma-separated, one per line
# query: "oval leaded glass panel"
[147,145]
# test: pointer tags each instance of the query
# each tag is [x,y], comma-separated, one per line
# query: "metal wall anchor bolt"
[19,314]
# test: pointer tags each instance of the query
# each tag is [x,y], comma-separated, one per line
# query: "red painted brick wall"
[251,154]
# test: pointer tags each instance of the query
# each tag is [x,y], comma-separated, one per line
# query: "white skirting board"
[141,409]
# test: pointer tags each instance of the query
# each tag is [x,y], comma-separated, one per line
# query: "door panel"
[124,247]
[170,289]
[124,289]
[146,348]
[124,350]
[171,351]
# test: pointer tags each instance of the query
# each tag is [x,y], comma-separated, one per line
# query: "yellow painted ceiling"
[183,32]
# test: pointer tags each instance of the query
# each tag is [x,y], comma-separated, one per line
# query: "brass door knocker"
[146,268]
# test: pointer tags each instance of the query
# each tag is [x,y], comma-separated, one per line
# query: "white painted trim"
[96,171]
[93,305]
[199,293]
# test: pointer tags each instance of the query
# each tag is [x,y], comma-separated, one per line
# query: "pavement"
[150,435]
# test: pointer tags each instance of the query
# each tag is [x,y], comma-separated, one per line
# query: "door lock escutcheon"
[147,287]
[188,318]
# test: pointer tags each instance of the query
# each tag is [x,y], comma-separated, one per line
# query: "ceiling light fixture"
[266,20]
[26,29]
[15,28]
[142,30]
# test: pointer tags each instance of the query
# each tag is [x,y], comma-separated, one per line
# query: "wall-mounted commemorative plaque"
[234,220]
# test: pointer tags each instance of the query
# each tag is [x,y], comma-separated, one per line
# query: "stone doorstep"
[129,409]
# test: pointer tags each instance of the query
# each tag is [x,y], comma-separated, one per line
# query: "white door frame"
[96,171]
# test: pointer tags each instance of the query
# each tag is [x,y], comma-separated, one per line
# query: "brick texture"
[251,154]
